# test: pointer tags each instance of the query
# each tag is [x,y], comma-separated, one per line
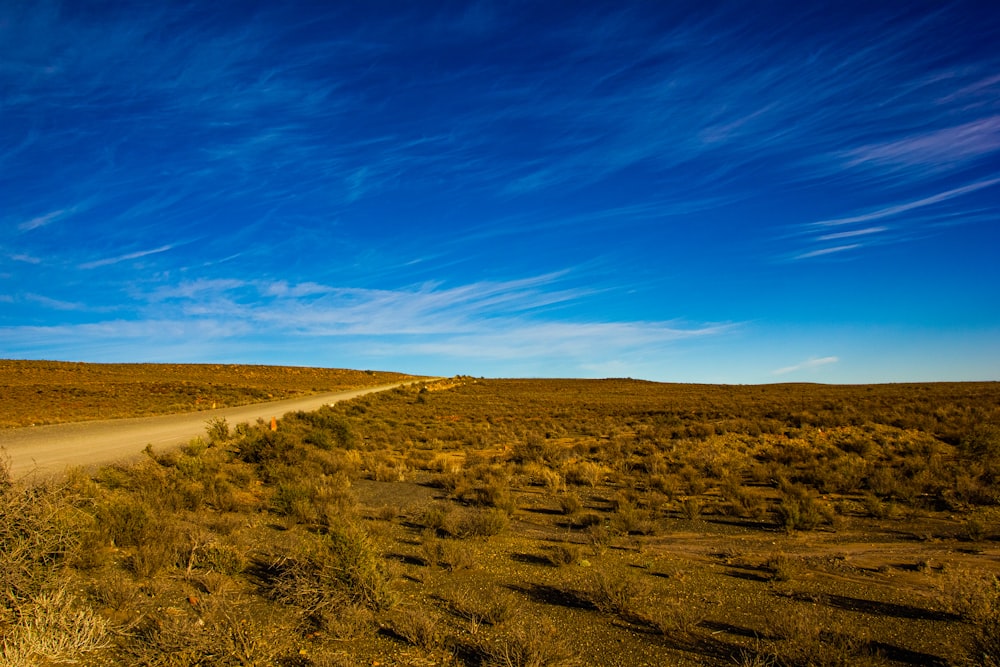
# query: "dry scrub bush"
[617,594]
[440,518]
[673,617]
[418,627]
[541,645]
[570,504]
[561,555]
[449,555]
[482,608]
[813,636]
[800,509]
[985,644]
[484,523]
[324,571]
[40,530]
[584,473]
[971,594]
[51,627]
[229,632]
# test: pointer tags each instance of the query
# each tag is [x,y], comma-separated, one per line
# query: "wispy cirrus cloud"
[42,220]
[938,149]
[896,209]
[496,321]
[809,364]
[125,258]
[813,232]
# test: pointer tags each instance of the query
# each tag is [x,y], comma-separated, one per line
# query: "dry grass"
[53,392]
[530,523]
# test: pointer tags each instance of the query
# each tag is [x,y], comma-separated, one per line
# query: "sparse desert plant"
[971,594]
[115,590]
[52,627]
[543,645]
[40,529]
[598,536]
[584,473]
[440,518]
[223,558]
[782,567]
[691,508]
[217,430]
[326,570]
[617,593]
[448,554]
[628,520]
[484,523]
[876,507]
[563,554]
[799,509]
[417,627]
[227,633]
[671,616]
[570,504]
[985,642]
[149,558]
[491,608]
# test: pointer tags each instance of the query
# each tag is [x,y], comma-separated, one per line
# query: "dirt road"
[41,451]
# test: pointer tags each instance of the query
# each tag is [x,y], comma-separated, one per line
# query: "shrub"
[450,555]
[218,430]
[492,608]
[540,646]
[617,594]
[484,523]
[799,509]
[418,628]
[324,571]
[570,504]
[691,508]
[584,473]
[440,518]
[53,628]
[561,555]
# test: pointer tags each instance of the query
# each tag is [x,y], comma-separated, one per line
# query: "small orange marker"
[274,424]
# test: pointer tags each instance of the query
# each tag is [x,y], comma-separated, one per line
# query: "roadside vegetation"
[530,522]
[52,392]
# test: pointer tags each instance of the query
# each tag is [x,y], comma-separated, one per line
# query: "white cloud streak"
[499,321]
[41,220]
[828,251]
[809,364]
[897,209]
[125,258]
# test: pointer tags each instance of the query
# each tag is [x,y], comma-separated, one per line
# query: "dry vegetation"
[506,523]
[53,392]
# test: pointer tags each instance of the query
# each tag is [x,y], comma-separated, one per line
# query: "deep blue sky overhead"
[719,192]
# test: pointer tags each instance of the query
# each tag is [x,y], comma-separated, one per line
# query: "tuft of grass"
[326,570]
[418,628]
[53,627]
[542,645]
[561,555]
[484,523]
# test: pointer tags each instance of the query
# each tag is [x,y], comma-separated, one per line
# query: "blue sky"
[699,192]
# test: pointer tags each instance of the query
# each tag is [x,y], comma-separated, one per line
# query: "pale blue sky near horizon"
[727,192]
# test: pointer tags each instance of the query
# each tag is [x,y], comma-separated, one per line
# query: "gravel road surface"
[41,451]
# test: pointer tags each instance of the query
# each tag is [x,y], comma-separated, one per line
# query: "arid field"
[55,392]
[475,522]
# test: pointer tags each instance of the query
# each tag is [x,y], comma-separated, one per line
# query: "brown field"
[54,392]
[532,522]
